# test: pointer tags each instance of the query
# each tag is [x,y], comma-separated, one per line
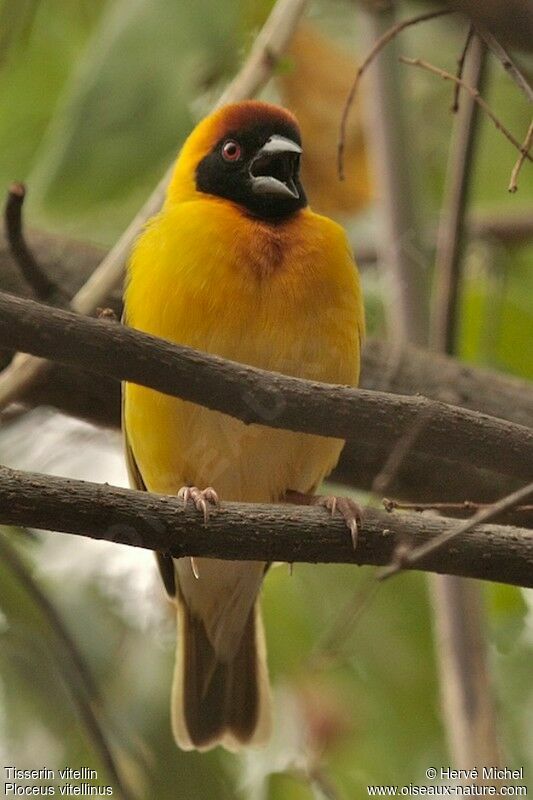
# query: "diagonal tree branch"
[259,532]
[385,367]
[507,62]
[256,396]
[264,56]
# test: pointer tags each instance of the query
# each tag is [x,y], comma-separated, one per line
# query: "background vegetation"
[95,98]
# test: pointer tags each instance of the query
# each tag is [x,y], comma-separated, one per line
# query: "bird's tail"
[217,702]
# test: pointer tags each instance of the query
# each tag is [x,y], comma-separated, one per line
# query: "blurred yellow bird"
[236,264]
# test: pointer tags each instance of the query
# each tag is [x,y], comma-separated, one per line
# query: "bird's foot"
[348,508]
[202,500]
[351,512]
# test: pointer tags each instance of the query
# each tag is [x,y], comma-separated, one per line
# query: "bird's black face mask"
[258,168]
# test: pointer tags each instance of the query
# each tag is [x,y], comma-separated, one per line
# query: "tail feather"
[216,702]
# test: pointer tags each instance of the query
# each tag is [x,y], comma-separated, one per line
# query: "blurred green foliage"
[96,97]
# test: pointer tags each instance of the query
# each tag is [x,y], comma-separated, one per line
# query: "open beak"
[274,168]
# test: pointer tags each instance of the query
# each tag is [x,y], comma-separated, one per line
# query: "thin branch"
[450,236]
[43,287]
[513,183]
[79,679]
[242,531]
[410,558]
[447,76]
[271,43]
[462,661]
[257,396]
[402,261]
[378,46]
[508,64]
[521,515]
[460,68]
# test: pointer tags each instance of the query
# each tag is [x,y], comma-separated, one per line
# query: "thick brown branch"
[412,370]
[257,532]
[406,370]
[256,396]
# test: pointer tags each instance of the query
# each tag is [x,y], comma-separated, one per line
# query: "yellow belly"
[290,303]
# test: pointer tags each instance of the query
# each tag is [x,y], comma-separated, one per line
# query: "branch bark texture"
[258,532]
[256,396]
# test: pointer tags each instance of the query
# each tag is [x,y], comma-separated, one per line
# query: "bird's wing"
[164,561]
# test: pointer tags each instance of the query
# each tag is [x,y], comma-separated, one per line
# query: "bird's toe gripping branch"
[348,508]
[202,500]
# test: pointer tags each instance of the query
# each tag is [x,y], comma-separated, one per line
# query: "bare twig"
[378,46]
[508,64]
[266,398]
[447,76]
[43,287]
[460,68]
[521,515]
[513,183]
[242,531]
[269,46]
[412,557]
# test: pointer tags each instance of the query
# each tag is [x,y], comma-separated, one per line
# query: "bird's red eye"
[231,150]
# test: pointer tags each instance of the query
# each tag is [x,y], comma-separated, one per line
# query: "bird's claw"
[201,498]
[350,511]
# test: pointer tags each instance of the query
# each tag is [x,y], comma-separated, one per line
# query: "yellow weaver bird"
[236,264]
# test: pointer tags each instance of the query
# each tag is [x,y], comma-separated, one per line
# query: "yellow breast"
[282,297]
